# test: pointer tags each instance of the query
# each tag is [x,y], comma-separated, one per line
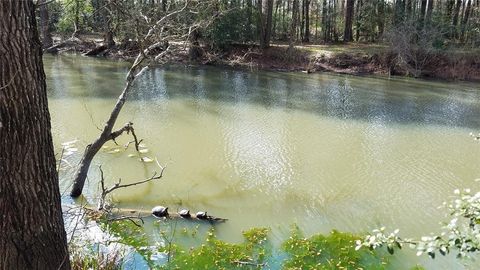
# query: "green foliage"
[72,12]
[231,27]
[132,235]
[217,254]
[460,234]
[334,251]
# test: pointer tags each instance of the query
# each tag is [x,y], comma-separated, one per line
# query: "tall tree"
[265,13]
[293,25]
[456,14]
[381,17]
[429,11]
[306,9]
[31,223]
[423,9]
[465,18]
[347,34]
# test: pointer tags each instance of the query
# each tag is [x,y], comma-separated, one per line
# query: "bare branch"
[118,185]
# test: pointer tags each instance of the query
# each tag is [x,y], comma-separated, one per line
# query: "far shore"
[351,58]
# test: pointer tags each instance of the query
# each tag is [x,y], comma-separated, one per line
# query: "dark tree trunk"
[381,17]
[249,19]
[275,15]
[268,30]
[164,5]
[302,21]
[449,10]
[409,8]
[31,223]
[325,21]
[76,22]
[108,34]
[347,35]
[399,12]
[456,12]
[45,34]
[265,13]
[423,9]
[306,36]
[429,11]
[359,18]
[293,26]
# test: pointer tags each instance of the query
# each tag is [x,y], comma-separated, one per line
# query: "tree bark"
[456,13]
[381,17]
[293,25]
[325,21]
[347,35]
[423,9]
[306,36]
[45,34]
[429,11]
[164,5]
[265,13]
[31,223]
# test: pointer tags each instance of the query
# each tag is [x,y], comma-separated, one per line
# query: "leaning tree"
[31,223]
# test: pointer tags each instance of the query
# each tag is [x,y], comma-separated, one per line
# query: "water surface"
[273,149]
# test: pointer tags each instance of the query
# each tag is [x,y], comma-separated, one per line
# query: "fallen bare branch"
[118,185]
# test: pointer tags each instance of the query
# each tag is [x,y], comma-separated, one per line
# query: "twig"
[43,3]
[129,218]
[105,192]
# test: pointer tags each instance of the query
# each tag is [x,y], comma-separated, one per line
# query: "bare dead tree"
[413,46]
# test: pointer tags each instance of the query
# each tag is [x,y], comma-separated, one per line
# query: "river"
[323,151]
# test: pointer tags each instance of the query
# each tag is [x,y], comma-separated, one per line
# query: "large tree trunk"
[31,223]
[347,34]
[46,36]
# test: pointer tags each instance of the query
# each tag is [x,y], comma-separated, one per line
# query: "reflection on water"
[272,149]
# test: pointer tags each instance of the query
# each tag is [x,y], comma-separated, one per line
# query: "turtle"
[160,211]
[202,215]
[184,213]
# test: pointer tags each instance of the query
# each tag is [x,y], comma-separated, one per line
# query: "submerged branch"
[118,185]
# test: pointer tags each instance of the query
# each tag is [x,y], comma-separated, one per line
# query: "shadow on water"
[369,99]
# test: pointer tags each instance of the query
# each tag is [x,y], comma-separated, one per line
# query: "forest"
[239,134]
[405,37]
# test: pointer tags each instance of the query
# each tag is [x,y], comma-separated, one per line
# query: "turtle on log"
[184,213]
[160,211]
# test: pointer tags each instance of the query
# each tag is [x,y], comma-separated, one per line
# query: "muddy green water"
[272,149]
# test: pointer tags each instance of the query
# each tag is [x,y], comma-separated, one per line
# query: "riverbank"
[354,59]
